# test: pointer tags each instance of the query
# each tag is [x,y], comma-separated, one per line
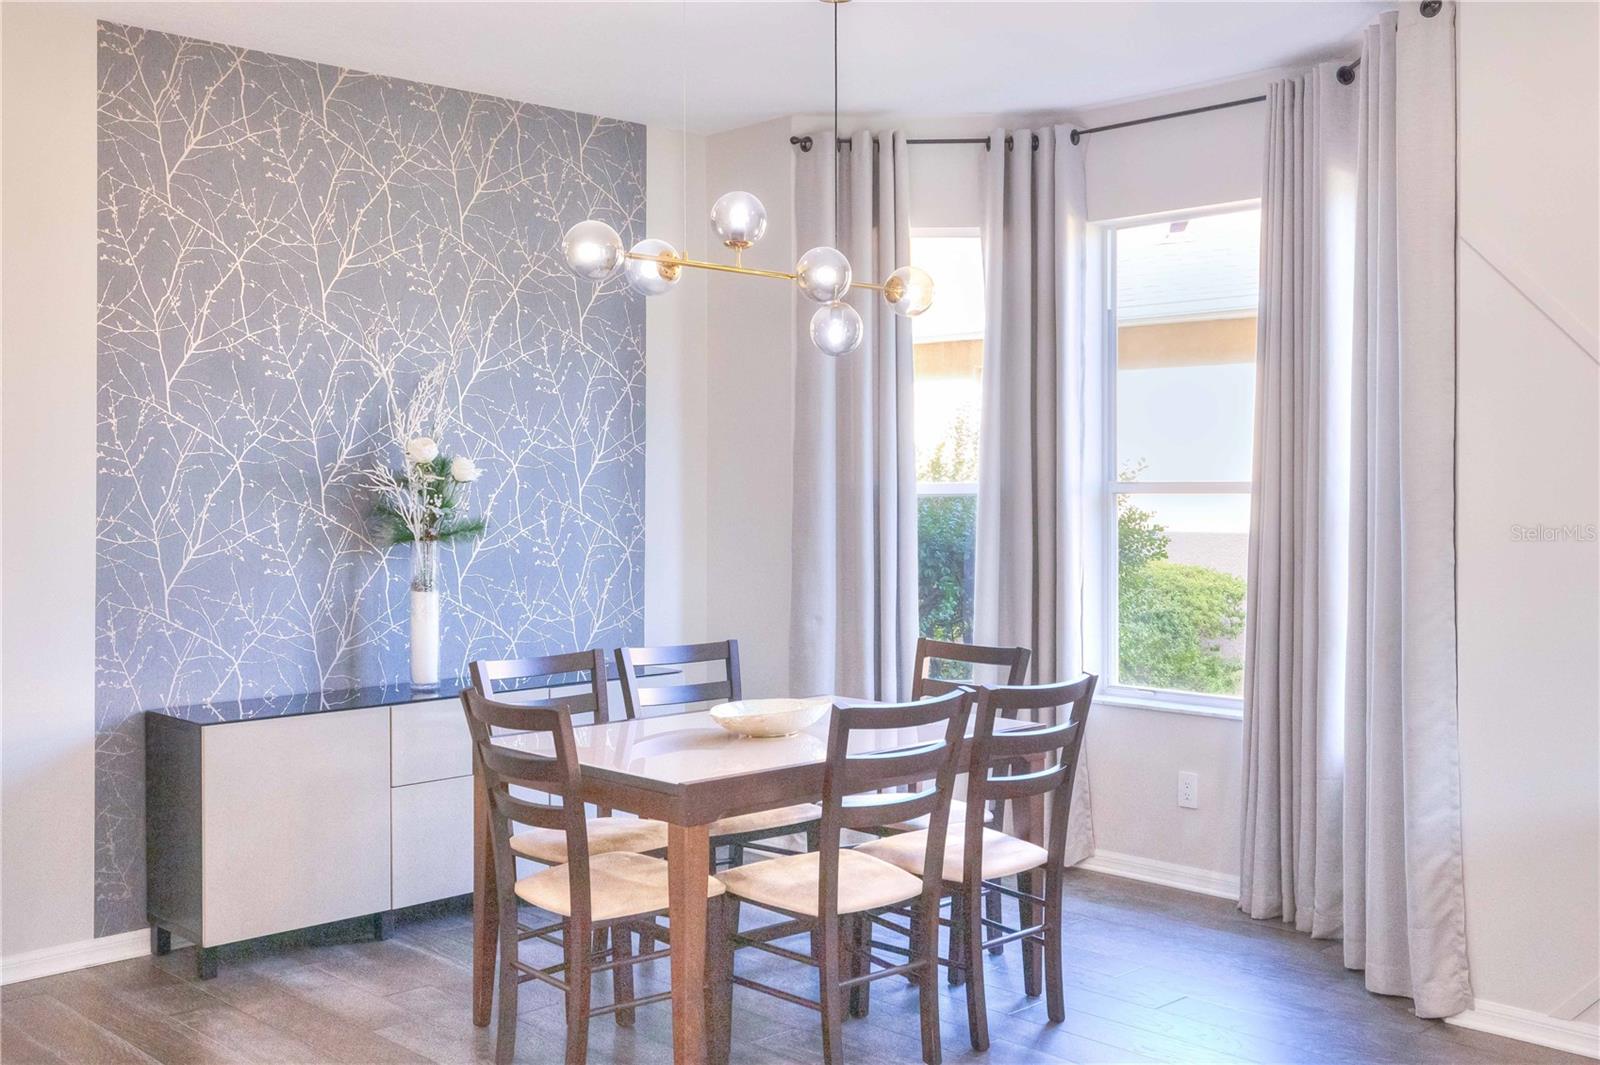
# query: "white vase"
[424,614]
[425,639]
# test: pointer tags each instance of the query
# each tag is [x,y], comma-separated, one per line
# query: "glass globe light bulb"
[909,291]
[836,329]
[739,219]
[648,277]
[823,274]
[593,250]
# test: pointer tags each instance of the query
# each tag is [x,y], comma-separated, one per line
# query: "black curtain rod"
[805,143]
[1347,73]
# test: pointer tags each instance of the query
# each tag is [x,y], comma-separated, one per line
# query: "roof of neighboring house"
[1204,267]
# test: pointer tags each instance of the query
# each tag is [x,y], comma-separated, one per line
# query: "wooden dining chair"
[1030,769]
[619,893]
[606,832]
[941,666]
[835,893]
[753,830]
[928,678]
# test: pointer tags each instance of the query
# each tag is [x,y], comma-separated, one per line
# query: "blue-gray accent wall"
[284,248]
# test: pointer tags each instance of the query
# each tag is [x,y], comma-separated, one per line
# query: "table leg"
[688,858]
[485,907]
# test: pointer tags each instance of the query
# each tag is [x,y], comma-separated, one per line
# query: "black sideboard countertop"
[220,712]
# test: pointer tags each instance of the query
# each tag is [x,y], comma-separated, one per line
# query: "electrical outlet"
[1189,791]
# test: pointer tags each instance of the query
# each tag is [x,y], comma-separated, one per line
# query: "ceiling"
[760,59]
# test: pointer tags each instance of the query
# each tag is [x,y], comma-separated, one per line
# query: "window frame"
[1110,487]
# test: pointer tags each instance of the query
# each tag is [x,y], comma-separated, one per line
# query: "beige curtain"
[1294,650]
[1352,821]
[854,599]
[1040,333]
[1404,904]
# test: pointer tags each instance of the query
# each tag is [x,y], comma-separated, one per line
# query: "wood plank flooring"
[1152,975]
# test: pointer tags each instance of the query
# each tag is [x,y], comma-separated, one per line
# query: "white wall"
[47,560]
[47,427]
[1527,454]
[675,398]
[749,376]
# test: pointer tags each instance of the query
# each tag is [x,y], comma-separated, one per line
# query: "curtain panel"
[854,577]
[1040,335]
[1352,819]
[1294,650]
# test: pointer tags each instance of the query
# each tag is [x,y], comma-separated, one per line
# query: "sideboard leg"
[160,940]
[383,925]
[205,962]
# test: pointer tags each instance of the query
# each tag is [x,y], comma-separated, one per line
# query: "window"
[948,359]
[1180,422]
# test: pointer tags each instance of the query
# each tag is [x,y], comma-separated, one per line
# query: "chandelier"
[594,252]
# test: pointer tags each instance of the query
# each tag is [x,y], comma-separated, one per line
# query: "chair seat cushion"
[958,816]
[606,836]
[1003,855]
[621,884]
[761,820]
[791,883]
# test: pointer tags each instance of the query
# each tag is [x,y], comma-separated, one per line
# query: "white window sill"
[1141,701]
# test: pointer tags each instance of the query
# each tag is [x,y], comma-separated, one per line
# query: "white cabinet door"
[294,822]
[432,841]
[430,742]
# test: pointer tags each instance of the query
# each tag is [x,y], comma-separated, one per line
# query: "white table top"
[692,748]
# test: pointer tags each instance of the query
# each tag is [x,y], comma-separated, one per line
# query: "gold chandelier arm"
[732,268]
[699,264]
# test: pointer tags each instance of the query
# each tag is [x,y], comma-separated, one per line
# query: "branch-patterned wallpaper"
[284,248]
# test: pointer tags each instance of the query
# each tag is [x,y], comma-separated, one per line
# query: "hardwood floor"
[1152,975]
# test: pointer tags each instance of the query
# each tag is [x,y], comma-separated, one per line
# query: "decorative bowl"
[769,718]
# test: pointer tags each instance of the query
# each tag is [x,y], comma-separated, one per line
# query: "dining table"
[688,771]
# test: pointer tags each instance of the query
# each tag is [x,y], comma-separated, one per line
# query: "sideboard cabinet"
[265,816]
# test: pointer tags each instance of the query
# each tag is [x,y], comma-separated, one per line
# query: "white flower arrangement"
[423,501]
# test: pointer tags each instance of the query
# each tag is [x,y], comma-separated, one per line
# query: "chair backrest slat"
[877,770]
[539,815]
[1014,660]
[1024,742]
[636,697]
[486,673]
[679,694]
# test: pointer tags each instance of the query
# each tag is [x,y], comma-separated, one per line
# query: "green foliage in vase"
[425,501]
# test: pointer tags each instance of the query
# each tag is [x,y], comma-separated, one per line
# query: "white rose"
[422,449]
[464,470]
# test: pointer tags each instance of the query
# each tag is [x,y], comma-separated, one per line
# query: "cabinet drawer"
[432,840]
[428,741]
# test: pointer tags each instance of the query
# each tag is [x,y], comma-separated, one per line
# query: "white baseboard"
[48,961]
[1168,874]
[1575,1037]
